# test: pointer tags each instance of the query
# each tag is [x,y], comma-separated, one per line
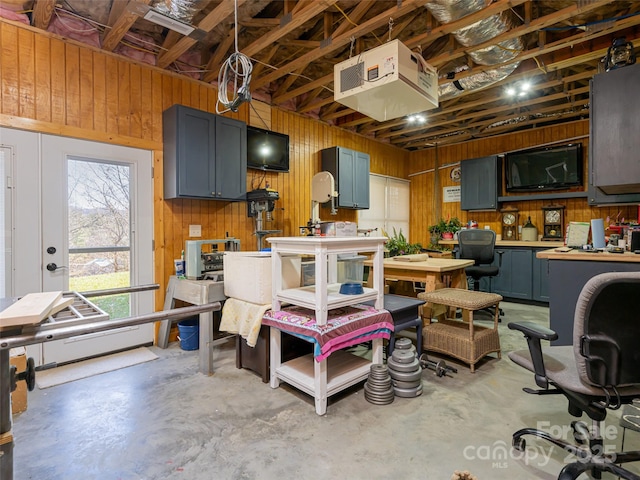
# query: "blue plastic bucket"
[189,333]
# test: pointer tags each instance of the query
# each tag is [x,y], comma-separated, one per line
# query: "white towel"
[243,318]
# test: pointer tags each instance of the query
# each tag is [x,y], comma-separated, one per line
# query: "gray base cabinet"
[540,277]
[567,277]
[205,155]
[351,172]
[516,273]
[479,185]
[522,276]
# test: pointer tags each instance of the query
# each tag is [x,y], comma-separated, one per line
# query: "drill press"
[261,202]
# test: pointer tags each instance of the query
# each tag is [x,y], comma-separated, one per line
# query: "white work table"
[195,292]
[341,370]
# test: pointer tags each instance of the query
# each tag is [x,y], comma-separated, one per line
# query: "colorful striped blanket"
[345,326]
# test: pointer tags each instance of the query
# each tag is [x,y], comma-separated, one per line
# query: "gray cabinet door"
[614,124]
[189,153]
[231,159]
[479,183]
[361,181]
[351,172]
[540,278]
[515,277]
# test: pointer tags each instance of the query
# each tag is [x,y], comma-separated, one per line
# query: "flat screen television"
[551,168]
[267,150]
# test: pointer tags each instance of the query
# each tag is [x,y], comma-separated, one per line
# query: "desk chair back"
[606,330]
[477,245]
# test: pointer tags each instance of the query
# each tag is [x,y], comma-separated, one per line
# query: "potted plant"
[445,229]
[434,233]
[450,227]
[399,245]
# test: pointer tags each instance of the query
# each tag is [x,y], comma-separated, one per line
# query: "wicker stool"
[461,338]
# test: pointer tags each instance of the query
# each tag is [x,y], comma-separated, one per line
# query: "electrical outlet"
[195,230]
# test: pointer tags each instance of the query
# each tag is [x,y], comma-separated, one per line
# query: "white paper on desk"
[578,234]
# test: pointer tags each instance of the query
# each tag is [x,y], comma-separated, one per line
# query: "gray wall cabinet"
[479,183]
[614,145]
[351,172]
[205,155]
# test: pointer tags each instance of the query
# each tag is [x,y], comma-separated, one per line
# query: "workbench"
[81,318]
[568,273]
[195,292]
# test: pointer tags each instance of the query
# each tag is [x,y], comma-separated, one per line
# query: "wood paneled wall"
[426,188]
[60,87]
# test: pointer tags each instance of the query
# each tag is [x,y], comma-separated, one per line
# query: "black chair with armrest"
[600,371]
[479,245]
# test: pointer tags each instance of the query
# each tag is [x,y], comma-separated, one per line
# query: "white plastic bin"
[351,268]
[247,275]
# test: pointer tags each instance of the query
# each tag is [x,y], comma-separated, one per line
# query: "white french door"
[94,221]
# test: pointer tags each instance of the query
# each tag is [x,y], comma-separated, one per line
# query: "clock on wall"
[553,216]
[509,223]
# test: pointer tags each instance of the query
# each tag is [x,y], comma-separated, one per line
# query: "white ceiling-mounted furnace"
[386,82]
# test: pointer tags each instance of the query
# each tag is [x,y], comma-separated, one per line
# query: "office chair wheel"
[519,443]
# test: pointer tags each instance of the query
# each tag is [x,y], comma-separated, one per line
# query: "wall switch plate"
[195,230]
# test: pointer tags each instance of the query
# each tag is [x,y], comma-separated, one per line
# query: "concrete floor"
[163,420]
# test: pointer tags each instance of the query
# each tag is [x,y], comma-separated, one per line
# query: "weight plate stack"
[405,344]
[405,370]
[378,389]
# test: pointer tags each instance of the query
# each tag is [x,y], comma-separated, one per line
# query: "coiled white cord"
[235,75]
[240,66]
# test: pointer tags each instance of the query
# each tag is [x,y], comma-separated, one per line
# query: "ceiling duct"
[175,15]
[447,11]
[182,10]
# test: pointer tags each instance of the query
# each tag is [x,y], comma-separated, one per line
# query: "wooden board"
[29,310]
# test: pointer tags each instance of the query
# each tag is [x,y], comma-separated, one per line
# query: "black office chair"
[479,245]
[599,372]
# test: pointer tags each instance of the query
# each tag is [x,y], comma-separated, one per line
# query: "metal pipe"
[33,337]
[118,291]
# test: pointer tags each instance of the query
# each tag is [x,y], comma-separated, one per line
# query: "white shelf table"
[341,370]
[325,295]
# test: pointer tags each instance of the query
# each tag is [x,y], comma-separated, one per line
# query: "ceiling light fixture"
[416,118]
[168,22]
[520,89]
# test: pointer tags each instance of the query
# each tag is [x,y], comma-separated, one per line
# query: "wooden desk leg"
[275,355]
[320,377]
[431,281]
[206,343]
[459,279]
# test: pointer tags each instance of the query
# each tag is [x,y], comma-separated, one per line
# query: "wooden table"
[430,271]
